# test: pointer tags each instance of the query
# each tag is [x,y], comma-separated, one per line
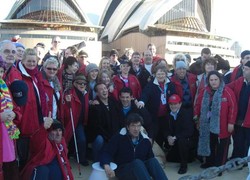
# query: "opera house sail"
[172,25]
[39,20]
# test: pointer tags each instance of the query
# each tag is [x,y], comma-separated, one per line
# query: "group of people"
[54,105]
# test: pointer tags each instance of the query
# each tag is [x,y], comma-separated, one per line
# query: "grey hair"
[51,60]
[179,57]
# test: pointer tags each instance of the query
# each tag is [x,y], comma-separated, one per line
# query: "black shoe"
[182,170]
[206,165]
[84,163]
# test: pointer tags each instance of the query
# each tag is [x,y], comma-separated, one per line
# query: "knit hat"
[19,91]
[180,64]
[18,44]
[247,64]
[57,125]
[80,77]
[91,67]
[244,53]
[174,99]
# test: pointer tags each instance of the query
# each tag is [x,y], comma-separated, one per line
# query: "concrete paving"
[170,170]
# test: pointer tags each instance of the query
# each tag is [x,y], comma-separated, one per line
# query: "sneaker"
[182,170]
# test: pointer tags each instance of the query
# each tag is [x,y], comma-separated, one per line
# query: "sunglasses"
[80,83]
[50,69]
[56,41]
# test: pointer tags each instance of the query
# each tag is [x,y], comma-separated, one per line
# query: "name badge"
[163,99]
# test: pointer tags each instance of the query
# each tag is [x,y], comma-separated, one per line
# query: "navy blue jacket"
[121,150]
[151,96]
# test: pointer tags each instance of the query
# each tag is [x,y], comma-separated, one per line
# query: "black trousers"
[219,150]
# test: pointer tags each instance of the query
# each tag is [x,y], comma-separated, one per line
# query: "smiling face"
[105,78]
[72,69]
[125,99]
[174,107]
[51,70]
[56,135]
[105,64]
[102,91]
[80,85]
[30,62]
[8,52]
[181,73]
[160,75]
[209,67]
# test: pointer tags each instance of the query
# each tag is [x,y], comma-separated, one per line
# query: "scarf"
[34,73]
[209,119]
[6,103]
[54,80]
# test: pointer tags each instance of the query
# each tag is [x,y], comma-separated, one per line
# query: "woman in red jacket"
[35,110]
[216,109]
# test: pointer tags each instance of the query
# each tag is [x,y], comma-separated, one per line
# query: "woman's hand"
[7,115]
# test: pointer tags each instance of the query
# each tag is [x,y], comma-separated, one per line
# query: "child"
[8,130]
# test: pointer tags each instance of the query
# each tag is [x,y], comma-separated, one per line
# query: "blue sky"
[231,17]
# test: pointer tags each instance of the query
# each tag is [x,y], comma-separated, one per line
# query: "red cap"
[174,99]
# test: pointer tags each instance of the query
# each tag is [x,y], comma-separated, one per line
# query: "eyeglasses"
[8,51]
[80,83]
[57,41]
[50,69]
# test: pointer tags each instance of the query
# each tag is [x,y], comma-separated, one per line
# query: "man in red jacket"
[48,154]
[241,136]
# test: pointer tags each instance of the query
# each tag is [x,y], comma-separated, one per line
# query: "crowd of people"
[54,105]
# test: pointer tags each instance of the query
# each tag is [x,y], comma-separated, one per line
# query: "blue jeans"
[81,142]
[141,170]
[97,146]
[49,171]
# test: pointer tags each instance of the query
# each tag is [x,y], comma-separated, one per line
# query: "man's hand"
[109,172]
[139,104]
[47,121]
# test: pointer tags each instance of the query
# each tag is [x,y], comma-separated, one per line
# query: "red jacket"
[76,106]
[133,82]
[234,73]
[49,98]
[191,79]
[236,86]
[12,75]
[228,110]
[42,152]
[29,122]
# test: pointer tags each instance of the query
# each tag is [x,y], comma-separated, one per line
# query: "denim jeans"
[141,170]
[97,146]
[81,142]
[49,171]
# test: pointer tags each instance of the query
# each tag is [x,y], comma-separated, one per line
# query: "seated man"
[179,132]
[48,154]
[131,150]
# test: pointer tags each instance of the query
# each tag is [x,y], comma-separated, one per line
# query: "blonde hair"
[30,52]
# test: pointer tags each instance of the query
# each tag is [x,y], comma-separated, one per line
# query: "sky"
[231,17]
